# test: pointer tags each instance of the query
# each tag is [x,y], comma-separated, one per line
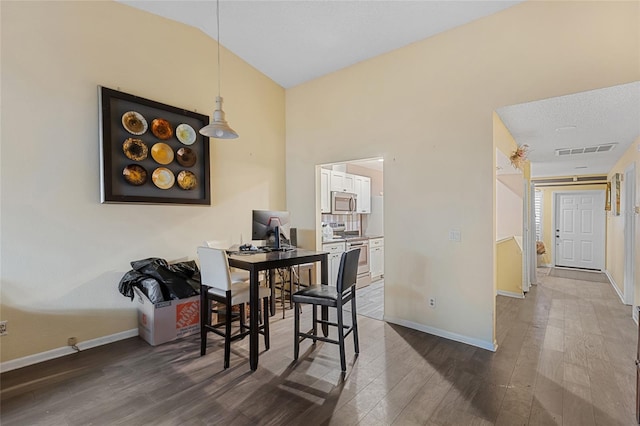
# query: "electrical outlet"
[432,302]
[72,341]
[3,328]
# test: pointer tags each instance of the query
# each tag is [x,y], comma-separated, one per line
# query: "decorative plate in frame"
[163,178]
[186,157]
[134,123]
[187,180]
[185,134]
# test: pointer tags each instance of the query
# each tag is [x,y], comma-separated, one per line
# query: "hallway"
[575,344]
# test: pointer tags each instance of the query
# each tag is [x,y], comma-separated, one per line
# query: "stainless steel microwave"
[343,202]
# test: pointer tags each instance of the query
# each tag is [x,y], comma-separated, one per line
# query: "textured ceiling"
[596,117]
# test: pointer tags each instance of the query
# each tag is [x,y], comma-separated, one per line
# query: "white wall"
[508,212]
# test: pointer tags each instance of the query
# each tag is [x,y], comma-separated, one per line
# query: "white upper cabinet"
[332,180]
[342,182]
[362,188]
[325,194]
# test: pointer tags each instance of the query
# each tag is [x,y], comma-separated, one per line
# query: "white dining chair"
[217,286]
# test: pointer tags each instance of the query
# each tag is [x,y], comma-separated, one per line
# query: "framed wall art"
[616,192]
[607,199]
[151,152]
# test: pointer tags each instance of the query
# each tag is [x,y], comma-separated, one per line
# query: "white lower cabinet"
[376,256]
[335,253]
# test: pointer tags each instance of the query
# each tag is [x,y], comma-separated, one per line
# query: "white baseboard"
[615,286]
[511,294]
[66,350]
[483,344]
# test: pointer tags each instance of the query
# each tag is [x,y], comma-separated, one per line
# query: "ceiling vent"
[586,150]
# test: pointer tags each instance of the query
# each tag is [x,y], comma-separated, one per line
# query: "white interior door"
[579,226]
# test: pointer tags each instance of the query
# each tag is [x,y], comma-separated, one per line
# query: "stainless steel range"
[364,277]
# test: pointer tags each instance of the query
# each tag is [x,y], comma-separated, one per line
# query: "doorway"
[579,223]
[361,224]
[629,233]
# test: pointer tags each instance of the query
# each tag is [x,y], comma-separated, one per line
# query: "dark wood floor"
[566,356]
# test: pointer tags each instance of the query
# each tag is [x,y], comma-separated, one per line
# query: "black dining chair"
[218,286]
[331,296]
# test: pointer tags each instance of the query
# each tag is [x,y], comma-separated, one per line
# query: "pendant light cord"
[218,28]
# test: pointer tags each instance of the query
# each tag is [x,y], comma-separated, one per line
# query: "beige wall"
[509,266]
[509,187]
[616,224]
[508,212]
[63,253]
[427,108]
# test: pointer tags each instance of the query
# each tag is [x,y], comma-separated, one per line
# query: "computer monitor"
[268,223]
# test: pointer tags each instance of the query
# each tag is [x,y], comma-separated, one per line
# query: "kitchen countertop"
[334,240]
[337,239]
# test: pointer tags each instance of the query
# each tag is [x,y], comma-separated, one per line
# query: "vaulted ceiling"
[296,41]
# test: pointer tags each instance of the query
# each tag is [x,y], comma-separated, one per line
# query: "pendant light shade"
[219,128]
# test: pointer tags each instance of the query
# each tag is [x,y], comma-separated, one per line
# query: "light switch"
[455,235]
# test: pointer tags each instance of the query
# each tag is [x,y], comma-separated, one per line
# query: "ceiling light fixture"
[219,128]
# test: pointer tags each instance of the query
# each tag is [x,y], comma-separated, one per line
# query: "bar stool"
[335,297]
[217,286]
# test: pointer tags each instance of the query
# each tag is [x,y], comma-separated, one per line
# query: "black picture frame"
[114,157]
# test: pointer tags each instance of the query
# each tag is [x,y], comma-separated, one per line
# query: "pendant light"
[219,128]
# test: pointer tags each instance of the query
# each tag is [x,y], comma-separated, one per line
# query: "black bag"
[188,268]
[129,280]
[149,286]
[174,284]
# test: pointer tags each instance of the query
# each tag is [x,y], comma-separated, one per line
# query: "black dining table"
[260,261]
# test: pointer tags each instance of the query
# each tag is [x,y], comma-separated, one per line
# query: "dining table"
[256,261]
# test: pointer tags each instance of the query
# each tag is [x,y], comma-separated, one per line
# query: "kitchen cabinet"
[376,256]
[341,181]
[362,188]
[335,253]
[335,181]
[325,194]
